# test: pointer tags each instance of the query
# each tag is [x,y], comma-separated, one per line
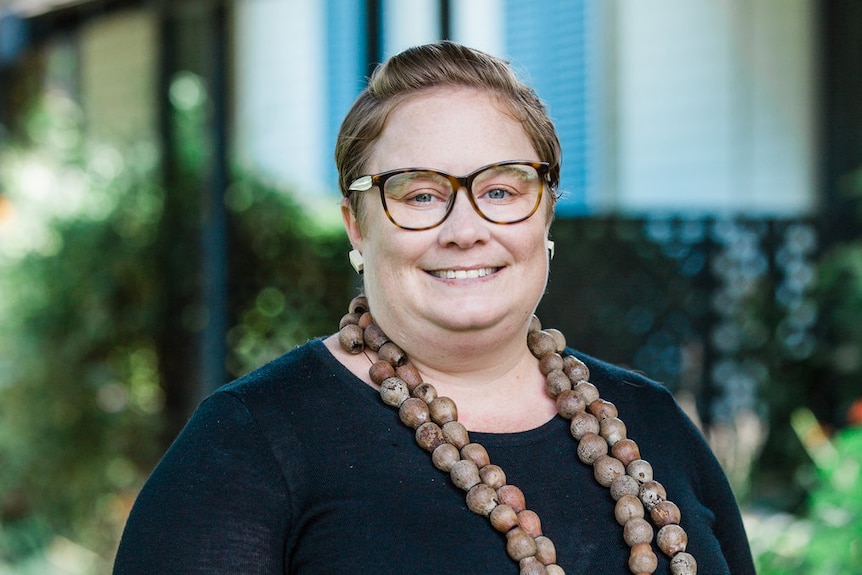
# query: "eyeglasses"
[420,199]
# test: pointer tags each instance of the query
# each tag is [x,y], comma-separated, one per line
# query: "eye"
[497,194]
[418,189]
[421,197]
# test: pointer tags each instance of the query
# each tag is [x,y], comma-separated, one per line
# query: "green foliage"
[89,257]
[289,277]
[823,535]
[79,386]
[839,294]
[828,539]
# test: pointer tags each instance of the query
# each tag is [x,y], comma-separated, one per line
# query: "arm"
[217,503]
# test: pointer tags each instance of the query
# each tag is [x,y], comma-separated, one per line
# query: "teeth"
[463,274]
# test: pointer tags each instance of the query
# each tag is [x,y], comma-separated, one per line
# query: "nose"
[464,226]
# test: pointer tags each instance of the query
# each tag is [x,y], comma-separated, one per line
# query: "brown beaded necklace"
[601,437]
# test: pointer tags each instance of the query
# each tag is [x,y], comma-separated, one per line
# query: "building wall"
[280,88]
[663,106]
[715,106]
[118,57]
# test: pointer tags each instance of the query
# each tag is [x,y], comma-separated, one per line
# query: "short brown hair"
[432,65]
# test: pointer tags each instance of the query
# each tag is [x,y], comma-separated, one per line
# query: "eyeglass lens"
[501,194]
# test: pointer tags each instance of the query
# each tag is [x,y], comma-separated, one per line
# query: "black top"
[298,467]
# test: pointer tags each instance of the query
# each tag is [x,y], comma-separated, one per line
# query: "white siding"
[280,87]
[715,106]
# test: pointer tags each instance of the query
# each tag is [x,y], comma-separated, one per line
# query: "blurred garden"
[93,248]
[128,292]
[99,284]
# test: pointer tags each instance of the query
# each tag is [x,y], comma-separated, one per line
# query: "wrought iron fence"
[710,307]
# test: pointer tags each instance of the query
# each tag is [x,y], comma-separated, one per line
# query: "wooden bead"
[481,499]
[612,429]
[365,319]
[351,339]
[591,447]
[671,539]
[683,564]
[637,530]
[583,423]
[665,513]
[606,469]
[455,433]
[374,337]
[358,305]
[640,469]
[575,369]
[602,443]
[520,544]
[642,559]
[559,339]
[540,342]
[535,324]
[443,410]
[626,451]
[628,507]
[391,353]
[464,474]
[445,456]
[587,390]
[429,436]
[602,409]
[651,494]
[503,517]
[426,392]
[531,566]
[513,497]
[624,485]
[476,453]
[529,521]
[414,412]
[546,552]
[409,374]
[493,476]
[551,361]
[393,391]
[556,382]
[381,370]
[569,403]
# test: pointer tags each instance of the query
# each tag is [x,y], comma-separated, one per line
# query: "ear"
[351,224]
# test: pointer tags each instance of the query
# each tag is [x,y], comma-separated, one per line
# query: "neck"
[490,374]
[442,430]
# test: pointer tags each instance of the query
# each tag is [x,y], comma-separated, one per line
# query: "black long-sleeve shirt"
[300,468]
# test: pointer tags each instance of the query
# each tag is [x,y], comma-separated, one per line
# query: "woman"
[345,455]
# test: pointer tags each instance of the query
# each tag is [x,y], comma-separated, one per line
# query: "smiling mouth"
[463,274]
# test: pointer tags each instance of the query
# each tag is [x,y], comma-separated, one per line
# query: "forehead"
[451,129]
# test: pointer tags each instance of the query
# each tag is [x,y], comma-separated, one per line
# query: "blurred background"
[169,220]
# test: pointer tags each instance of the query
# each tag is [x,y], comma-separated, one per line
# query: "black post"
[841,94]
[373,34]
[214,234]
[445,19]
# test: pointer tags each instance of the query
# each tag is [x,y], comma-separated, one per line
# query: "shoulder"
[299,361]
[295,389]
[648,408]
[618,381]
[289,375]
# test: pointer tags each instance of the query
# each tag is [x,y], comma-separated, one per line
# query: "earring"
[356,261]
[550,245]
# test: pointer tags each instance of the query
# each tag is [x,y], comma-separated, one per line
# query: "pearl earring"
[550,245]
[356,261]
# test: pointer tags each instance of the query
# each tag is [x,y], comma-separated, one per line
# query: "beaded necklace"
[595,425]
